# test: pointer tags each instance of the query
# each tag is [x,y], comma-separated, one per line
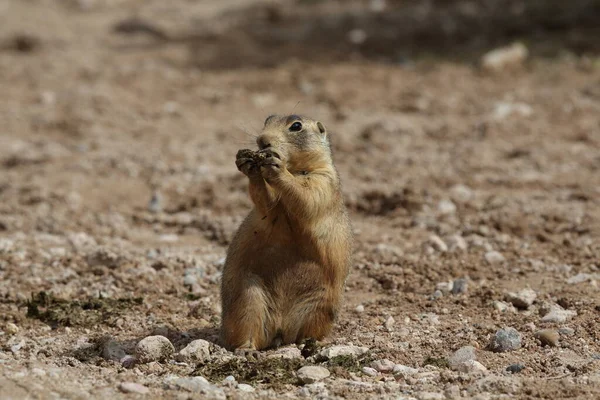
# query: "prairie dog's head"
[300,140]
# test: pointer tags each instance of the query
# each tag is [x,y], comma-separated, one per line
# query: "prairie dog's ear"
[270,117]
[321,128]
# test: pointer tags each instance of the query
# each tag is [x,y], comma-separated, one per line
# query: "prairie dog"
[286,267]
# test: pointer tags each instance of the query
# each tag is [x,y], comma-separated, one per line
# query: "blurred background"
[466,133]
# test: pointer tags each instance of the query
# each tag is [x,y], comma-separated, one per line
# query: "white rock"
[456,243]
[312,373]
[244,387]
[461,356]
[370,371]
[437,243]
[558,314]
[389,324]
[197,384]
[579,278]
[357,36]
[287,353]
[523,299]
[505,58]
[404,370]
[384,365]
[446,207]
[11,328]
[153,348]
[461,193]
[504,110]
[503,307]
[494,257]
[471,366]
[195,351]
[336,351]
[377,5]
[360,308]
[132,387]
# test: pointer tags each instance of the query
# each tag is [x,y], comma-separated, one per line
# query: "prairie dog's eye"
[296,127]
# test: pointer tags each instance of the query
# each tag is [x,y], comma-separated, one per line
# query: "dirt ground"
[119,192]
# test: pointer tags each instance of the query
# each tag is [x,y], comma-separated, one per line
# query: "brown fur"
[287,265]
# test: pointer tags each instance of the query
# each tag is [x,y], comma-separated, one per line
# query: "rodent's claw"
[270,168]
[268,152]
[249,354]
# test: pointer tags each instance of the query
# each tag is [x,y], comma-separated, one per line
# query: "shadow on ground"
[321,32]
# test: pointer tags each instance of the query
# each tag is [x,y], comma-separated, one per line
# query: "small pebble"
[471,366]
[446,207]
[196,351]
[548,337]
[384,365]
[558,314]
[312,373]
[369,371]
[335,351]
[437,243]
[112,350]
[460,285]
[515,368]
[461,193]
[360,308]
[522,299]
[132,387]
[404,370]
[494,257]
[504,340]
[456,243]
[505,58]
[11,328]
[229,381]
[127,361]
[566,331]
[389,324]
[153,348]
[244,387]
[461,356]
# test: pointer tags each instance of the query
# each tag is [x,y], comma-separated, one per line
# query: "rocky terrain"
[473,183]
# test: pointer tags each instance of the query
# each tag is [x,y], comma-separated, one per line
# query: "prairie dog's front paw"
[246,162]
[271,164]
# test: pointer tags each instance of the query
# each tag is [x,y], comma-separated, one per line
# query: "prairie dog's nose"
[263,142]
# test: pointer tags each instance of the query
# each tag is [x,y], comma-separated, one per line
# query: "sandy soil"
[119,195]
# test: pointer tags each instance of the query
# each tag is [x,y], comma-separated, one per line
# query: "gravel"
[312,373]
[153,348]
[508,339]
